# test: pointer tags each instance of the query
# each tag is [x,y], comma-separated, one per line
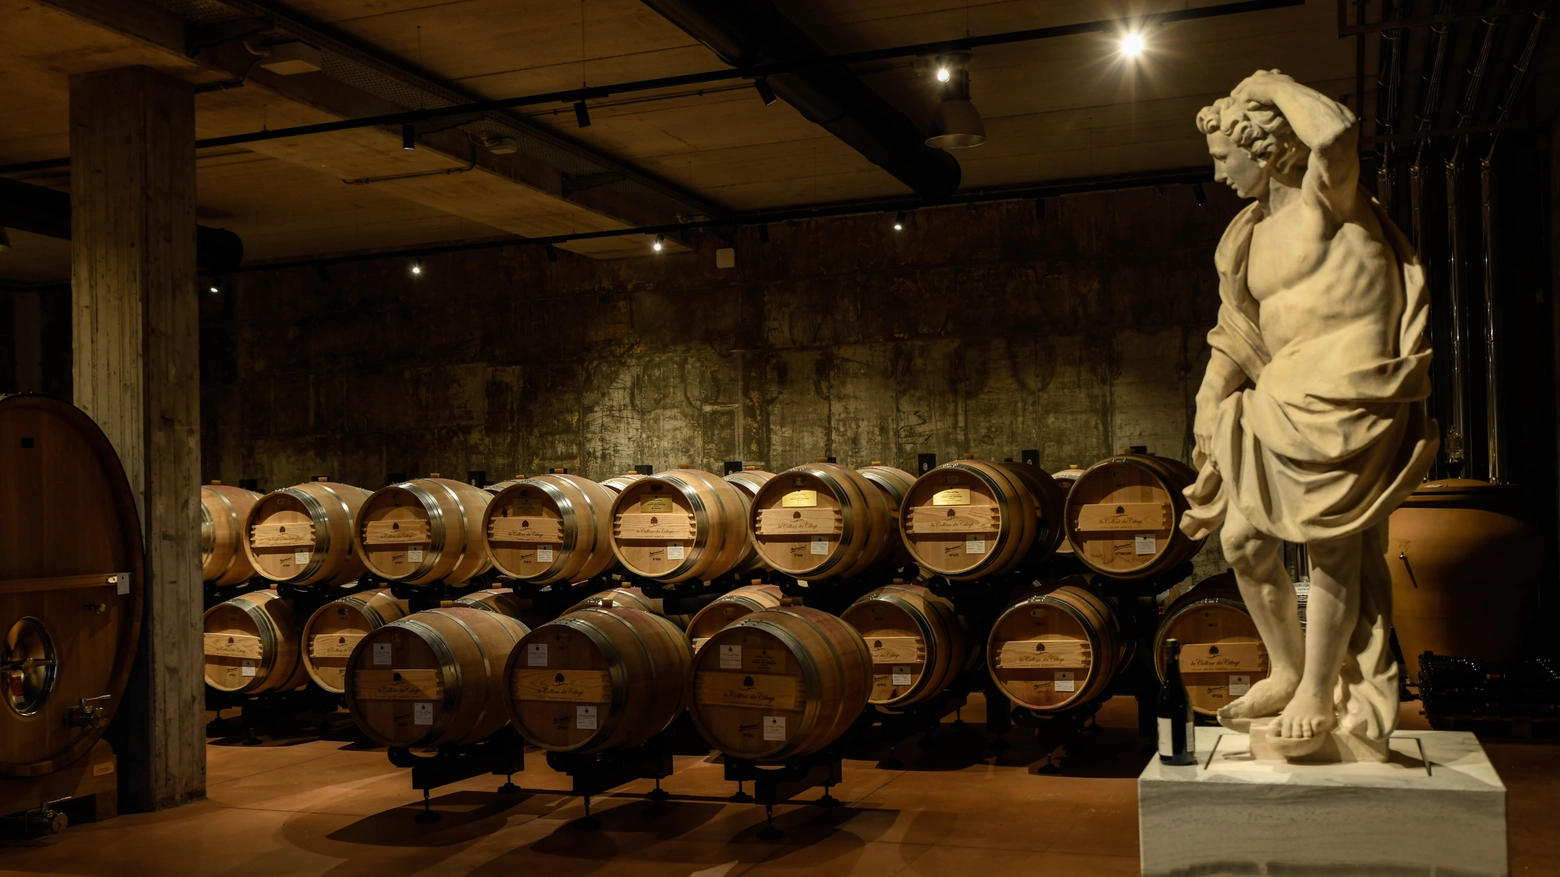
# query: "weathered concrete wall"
[984,330]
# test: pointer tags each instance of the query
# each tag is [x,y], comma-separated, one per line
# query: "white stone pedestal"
[1436,809]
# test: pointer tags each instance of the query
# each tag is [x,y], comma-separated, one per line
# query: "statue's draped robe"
[1312,453]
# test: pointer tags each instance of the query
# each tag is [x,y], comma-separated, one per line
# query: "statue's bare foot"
[1266,698]
[1303,726]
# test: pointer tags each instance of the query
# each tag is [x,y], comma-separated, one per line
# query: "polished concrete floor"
[298,804]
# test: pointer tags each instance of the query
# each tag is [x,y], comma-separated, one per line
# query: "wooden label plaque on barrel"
[780,682]
[71,583]
[551,529]
[424,531]
[1222,654]
[302,535]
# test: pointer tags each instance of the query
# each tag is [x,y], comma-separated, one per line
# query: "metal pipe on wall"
[1457,429]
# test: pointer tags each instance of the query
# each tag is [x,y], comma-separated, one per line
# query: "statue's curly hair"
[1260,129]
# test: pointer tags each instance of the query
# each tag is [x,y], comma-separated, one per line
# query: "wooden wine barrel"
[551,529]
[223,512]
[728,607]
[617,483]
[72,582]
[433,678]
[253,644]
[821,521]
[633,598]
[679,526]
[780,682]
[599,678]
[335,629]
[895,484]
[748,483]
[1056,649]
[1065,479]
[1122,516]
[919,644]
[506,602]
[424,531]
[302,535]
[1222,654]
[972,518]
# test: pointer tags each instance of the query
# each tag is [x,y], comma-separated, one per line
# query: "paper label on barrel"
[1065,681]
[121,585]
[247,668]
[952,496]
[382,655]
[414,555]
[674,551]
[103,770]
[731,657]
[820,546]
[422,713]
[974,546]
[655,504]
[544,555]
[300,557]
[585,718]
[799,499]
[536,655]
[900,676]
[774,728]
[1240,683]
[1146,544]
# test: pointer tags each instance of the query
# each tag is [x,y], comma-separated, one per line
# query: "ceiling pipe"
[747,33]
[47,212]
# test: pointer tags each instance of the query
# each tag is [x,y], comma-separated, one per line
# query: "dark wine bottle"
[1177,741]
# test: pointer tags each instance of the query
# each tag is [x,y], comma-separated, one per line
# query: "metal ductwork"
[47,212]
[748,32]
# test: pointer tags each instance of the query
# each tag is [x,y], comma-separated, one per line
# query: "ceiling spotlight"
[956,124]
[764,91]
[1132,44]
[581,114]
[214,288]
[408,136]
[552,253]
[416,266]
[899,221]
[659,243]
[1199,194]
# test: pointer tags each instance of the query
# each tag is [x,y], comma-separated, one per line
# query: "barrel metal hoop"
[1003,506]
[1095,650]
[617,668]
[570,534]
[847,524]
[208,534]
[812,679]
[346,515]
[701,525]
[270,637]
[927,635]
[436,525]
[889,485]
[321,522]
[449,667]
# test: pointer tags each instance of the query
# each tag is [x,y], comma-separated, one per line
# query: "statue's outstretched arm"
[1327,127]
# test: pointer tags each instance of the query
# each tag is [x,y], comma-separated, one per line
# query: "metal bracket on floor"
[899,725]
[502,754]
[775,783]
[595,773]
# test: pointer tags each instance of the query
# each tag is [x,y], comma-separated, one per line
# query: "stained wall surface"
[985,330]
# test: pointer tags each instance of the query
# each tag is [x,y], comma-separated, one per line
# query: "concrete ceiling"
[1056,109]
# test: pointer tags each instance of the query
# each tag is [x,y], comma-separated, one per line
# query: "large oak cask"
[975,519]
[633,598]
[1123,515]
[433,678]
[822,521]
[223,512]
[729,607]
[1222,654]
[1065,479]
[72,582]
[748,483]
[617,483]
[895,484]
[551,529]
[599,678]
[780,683]
[335,629]
[918,643]
[681,525]
[424,531]
[302,535]
[1057,649]
[253,644]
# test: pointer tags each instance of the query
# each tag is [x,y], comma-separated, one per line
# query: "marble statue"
[1309,425]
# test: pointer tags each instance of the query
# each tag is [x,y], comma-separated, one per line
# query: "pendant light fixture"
[956,124]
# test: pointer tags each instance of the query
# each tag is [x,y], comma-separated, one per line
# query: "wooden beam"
[137,373]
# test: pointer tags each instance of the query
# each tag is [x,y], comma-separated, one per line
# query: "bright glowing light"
[215,289]
[416,267]
[898,226]
[943,74]
[657,245]
[1132,45]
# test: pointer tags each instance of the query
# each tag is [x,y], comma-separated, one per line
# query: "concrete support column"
[137,373]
